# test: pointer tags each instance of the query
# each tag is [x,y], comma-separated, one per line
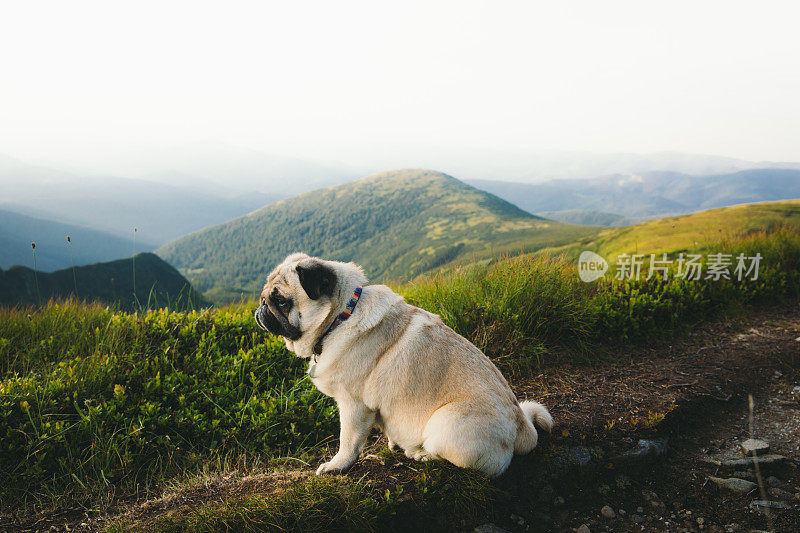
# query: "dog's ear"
[316,279]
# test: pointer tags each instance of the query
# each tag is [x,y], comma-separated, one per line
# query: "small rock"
[649,495]
[769,460]
[583,528]
[760,505]
[580,456]
[559,500]
[622,481]
[735,484]
[622,512]
[547,494]
[796,389]
[780,494]
[646,450]
[755,447]
[518,519]
[489,528]
[743,474]
[607,512]
[700,520]
[773,481]
[640,510]
[637,518]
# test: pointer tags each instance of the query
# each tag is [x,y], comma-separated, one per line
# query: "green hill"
[397,225]
[157,283]
[695,231]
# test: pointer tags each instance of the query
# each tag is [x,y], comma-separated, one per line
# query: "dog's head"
[304,293]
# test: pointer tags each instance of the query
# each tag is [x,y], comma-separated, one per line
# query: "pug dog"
[391,365]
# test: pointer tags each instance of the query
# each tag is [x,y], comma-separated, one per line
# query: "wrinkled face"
[296,297]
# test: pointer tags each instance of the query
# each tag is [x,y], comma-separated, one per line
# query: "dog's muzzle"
[277,325]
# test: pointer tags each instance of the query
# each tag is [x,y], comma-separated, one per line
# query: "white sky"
[340,79]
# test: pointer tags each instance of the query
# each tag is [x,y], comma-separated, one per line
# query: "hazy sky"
[348,80]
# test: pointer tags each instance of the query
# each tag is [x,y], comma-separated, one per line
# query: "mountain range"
[648,194]
[396,225]
[53,252]
[160,212]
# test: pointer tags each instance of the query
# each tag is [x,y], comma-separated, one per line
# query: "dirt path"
[690,393]
[703,383]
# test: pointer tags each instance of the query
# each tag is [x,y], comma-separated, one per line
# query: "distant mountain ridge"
[115,205]
[156,282]
[650,193]
[53,252]
[396,224]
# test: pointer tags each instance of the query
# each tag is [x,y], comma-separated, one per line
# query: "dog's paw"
[331,468]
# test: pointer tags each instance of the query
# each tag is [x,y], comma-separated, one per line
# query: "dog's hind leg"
[355,421]
[469,440]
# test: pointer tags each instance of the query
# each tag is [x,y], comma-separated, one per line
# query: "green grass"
[529,307]
[434,492]
[90,398]
[313,504]
[690,232]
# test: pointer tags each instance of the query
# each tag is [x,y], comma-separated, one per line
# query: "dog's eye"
[282,303]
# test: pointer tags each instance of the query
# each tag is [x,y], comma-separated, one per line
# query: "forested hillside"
[143,280]
[397,225]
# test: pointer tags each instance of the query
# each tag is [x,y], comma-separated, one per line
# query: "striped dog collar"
[344,315]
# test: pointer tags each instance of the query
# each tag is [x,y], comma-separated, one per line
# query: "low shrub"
[150,396]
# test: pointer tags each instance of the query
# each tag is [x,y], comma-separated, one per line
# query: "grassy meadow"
[698,231]
[97,404]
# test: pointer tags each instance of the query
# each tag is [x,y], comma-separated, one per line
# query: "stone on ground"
[769,460]
[741,486]
[780,494]
[489,528]
[755,447]
[583,528]
[607,512]
[760,505]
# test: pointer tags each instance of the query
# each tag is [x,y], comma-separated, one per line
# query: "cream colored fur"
[400,368]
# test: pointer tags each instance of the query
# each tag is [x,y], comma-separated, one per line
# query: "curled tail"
[531,413]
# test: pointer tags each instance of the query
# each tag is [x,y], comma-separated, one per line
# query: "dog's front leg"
[355,421]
